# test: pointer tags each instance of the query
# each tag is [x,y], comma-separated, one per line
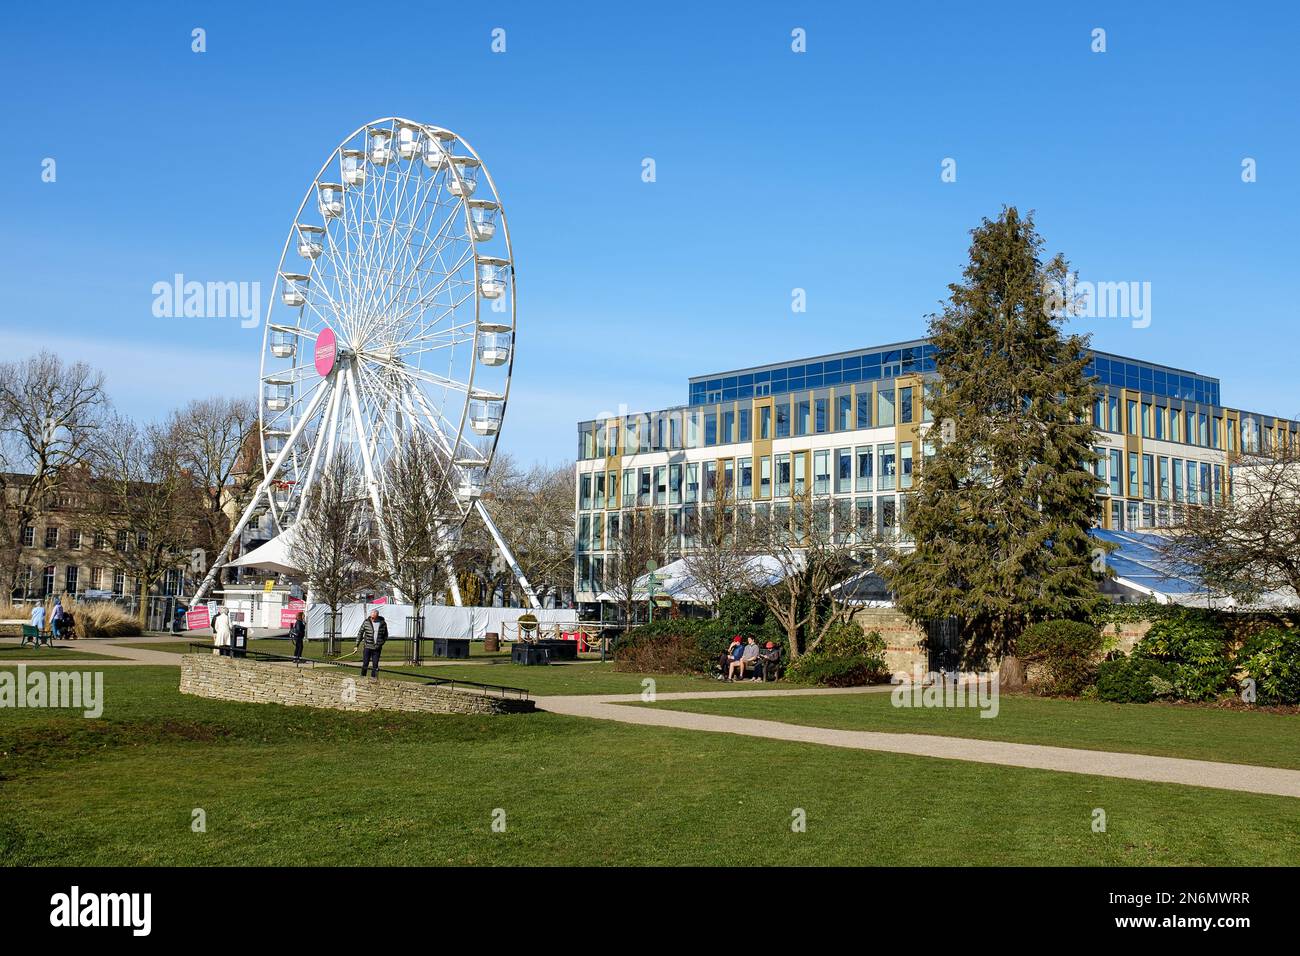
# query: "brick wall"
[903,650]
[263,682]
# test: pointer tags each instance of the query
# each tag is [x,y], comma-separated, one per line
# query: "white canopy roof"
[675,580]
[272,556]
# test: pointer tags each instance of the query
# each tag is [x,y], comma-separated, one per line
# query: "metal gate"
[943,641]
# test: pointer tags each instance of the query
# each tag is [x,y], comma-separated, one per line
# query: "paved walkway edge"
[1102,763]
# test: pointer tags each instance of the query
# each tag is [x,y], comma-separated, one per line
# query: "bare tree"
[723,544]
[534,511]
[332,541]
[49,412]
[144,502]
[217,438]
[639,538]
[1250,544]
[803,571]
[419,512]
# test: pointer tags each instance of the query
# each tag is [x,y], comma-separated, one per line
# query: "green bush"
[1197,650]
[1134,680]
[686,645]
[846,657]
[1066,653]
[1272,659]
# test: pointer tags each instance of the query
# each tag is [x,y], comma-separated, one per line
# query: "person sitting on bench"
[746,661]
[769,659]
[726,657]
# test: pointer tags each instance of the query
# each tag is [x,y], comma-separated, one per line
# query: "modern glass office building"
[846,431]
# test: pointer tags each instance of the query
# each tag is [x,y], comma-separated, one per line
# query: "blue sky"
[775,171]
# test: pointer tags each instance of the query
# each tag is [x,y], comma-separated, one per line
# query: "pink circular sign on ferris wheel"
[326,350]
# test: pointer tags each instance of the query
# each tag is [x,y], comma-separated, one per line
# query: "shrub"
[1196,648]
[684,645]
[1272,659]
[1066,655]
[1134,680]
[846,657]
[104,619]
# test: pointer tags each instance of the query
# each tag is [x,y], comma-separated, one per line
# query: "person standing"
[56,619]
[38,617]
[371,638]
[221,631]
[297,632]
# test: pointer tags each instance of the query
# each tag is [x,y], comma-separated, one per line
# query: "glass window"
[1112,412]
[1132,517]
[801,473]
[1148,490]
[1146,419]
[765,422]
[1116,472]
[1203,430]
[693,430]
[843,470]
[710,428]
[1193,485]
[1176,467]
[822,472]
[1205,483]
[661,485]
[1161,414]
[905,464]
[765,476]
[746,468]
[782,419]
[885,407]
[905,405]
[885,473]
[1175,425]
[584,494]
[1162,468]
[728,426]
[844,412]
[1132,417]
[803,412]
[710,480]
[643,487]
[864,409]
[783,476]
[866,518]
[1117,515]
[744,425]
[888,516]
[1218,484]
[674,484]
[866,459]
[821,420]
[692,482]
[629,487]
[1134,476]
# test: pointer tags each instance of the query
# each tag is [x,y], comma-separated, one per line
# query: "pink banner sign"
[326,352]
[382,600]
[289,613]
[196,619]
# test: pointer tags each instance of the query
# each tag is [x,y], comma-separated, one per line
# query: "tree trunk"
[1011,675]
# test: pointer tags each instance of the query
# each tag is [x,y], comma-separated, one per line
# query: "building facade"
[849,430]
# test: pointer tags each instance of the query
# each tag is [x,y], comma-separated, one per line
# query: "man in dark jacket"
[371,638]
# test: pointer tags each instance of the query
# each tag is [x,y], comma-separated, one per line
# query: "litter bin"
[491,642]
[238,640]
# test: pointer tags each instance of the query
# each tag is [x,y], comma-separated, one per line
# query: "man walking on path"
[371,638]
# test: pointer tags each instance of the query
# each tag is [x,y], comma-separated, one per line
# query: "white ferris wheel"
[394,315]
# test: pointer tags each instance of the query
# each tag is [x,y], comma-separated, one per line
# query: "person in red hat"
[725,659]
[770,660]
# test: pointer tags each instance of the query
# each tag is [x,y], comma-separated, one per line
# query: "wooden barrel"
[491,642]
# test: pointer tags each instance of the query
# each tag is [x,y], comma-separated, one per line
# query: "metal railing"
[503,691]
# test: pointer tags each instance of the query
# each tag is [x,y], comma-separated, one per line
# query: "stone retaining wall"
[903,650]
[264,682]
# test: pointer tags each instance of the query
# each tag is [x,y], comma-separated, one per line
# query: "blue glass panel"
[853,361]
[765,376]
[729,382]
[745,391]
[814,381]
[832,378]
[795,384]
[892,355]
[813,368]
[868,374]
[778,375]
[872,359]
[746,379]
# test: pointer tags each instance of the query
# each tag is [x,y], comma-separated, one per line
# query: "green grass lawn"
[298,786]
[63,651]
[1201,733]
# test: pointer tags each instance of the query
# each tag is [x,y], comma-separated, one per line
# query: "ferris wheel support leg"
[508,555]
[262,489]
[452,582]
[366,463]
